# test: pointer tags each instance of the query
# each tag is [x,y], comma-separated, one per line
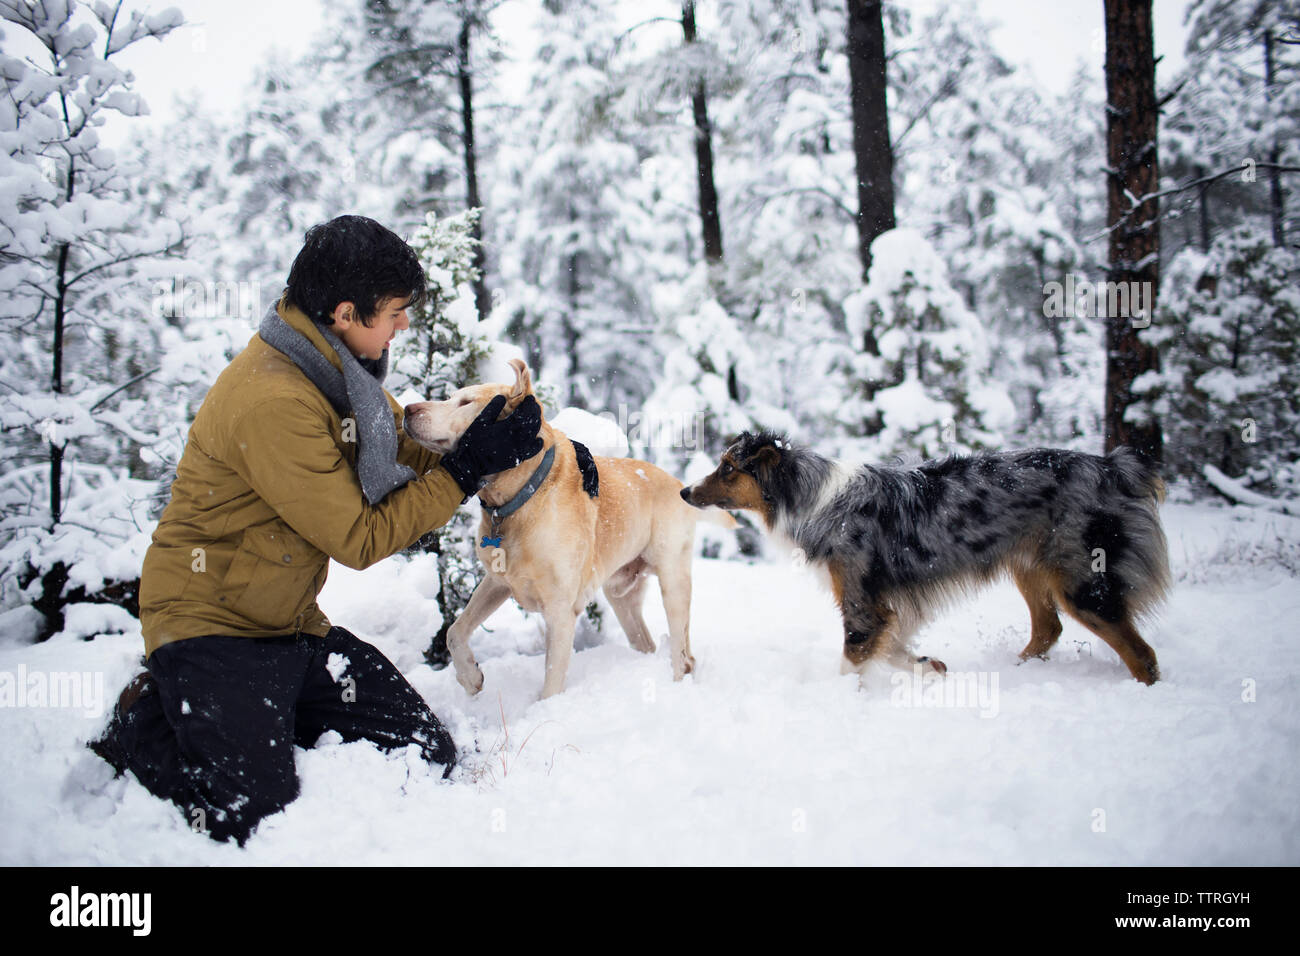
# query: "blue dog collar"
[499,513]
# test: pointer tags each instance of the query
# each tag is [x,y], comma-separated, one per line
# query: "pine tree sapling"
[920,374]
[77,262]
[700,402]
[440,353]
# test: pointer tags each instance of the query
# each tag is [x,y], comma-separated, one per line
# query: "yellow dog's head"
[439,425]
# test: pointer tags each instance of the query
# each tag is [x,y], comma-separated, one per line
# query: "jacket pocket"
[272,578]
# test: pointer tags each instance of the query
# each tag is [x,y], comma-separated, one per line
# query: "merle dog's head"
[746,478]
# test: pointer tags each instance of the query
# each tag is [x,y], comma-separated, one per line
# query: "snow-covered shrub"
[920,369]
[706,359]
[715,383]
[1228,327]
[93,555]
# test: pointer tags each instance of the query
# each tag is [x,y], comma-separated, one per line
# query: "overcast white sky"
[216,53]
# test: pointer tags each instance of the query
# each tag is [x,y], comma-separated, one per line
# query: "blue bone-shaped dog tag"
[490,542]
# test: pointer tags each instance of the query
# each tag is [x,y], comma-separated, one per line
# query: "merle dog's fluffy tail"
[1134,474]
[1139,490]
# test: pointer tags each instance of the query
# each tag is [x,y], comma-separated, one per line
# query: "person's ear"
[344,315]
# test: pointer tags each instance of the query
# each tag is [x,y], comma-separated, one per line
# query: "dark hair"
[353,259]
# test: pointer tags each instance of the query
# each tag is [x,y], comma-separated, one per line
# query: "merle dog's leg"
[1037,586]
[1121,635]
[1127,549]
[873,630]
[870,637]
[870,626]
[1099,601]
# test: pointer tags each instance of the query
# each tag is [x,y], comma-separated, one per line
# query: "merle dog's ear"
[762,465]
[769,456]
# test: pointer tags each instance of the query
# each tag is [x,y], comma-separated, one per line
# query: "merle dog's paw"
[938,666]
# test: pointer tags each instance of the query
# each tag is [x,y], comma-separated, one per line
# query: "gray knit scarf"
[356,391]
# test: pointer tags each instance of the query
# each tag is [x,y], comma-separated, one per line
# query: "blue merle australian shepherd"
[1077,532]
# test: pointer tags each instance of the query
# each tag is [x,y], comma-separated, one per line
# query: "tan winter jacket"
[265,494]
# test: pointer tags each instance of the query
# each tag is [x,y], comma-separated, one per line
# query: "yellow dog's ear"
[523,386]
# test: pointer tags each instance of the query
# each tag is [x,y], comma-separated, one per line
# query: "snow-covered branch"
[1235,490]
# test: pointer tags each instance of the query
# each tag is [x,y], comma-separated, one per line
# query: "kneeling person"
[296,456]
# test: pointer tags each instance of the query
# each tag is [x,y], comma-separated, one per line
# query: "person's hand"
[489,446]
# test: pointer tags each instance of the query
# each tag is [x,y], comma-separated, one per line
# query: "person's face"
[369,342]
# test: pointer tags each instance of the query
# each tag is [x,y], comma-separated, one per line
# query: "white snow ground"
[766,755]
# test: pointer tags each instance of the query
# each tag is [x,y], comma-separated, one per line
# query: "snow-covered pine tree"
[441,351]
[978,152]
[573,256]
[78,261]
[919,378]
[1236,107]
[1060,382]
[311,142]
[1204,130]
[209,309]
[427,61]
[289,171]
[1242,59]
[1229,333]
[699,403]
[787,162]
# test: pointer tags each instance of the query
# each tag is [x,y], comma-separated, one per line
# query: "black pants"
[215,734]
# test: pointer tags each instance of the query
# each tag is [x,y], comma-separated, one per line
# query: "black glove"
[489,446]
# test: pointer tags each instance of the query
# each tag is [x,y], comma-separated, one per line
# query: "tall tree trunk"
[56,379]
[574,292]
[1276,205]
[482,300]
[1199,172]
[53,582]
[871,146]
[1133,171]
[710,221]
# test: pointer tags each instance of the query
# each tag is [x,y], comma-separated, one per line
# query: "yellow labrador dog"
[553,532]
